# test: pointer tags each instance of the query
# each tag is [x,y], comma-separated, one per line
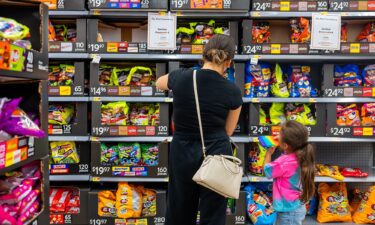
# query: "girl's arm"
[162,82]
[269,154]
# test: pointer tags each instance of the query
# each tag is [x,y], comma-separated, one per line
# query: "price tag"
[166,179]
[355,48]
[94,139]
[368,131]
[97,99]
[96,179]
[255,139]
[254,61]
[324,13]
[96,12]
[275,48]
[178,4]
[96,59]
[253,179]
[373,92]
[312,100]
[65,90]
[168,99]
[344,14]
[255,14]
[162,13]
[284,6]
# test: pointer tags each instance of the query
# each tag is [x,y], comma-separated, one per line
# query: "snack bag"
[29,213]
[129,154]
[262,116]
[257,80]
[149,203]
[61,31]
[367,34]
[312,206]
[107,204]
[71,34]
[259,204]
[277,113]
[140,76]
[106,75]
[20,124]
[329,171]
[294,111]
[64,152]
[120,76]
[279,87]
[59,199]
[51,32]
[333,205]
[368,74]
[12,30]
[357,197]
[203,31]
[114,113]
[150,154]
[300,30]
[299,82]
[365,212]
[308,116]
[53,75]
[261,32]
[368,114]
[128,201]
[344,32]
[352,172]
[66,74]
[60,114]
[184,35]
[347,76]
[109,156]
[347,115]
[17,58]
[256,159]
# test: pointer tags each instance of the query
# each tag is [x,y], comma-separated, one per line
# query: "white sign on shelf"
[326,31]
[162,31]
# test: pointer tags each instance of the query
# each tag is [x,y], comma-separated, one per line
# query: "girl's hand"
[270,151]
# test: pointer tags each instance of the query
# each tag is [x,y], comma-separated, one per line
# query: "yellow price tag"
[312,100]
[96,12]
[284,6]
[256,56]
[168,99]
[65,90]
[93,55]
[255,14]
[179,13]
[344,14]
[96,99]
[166,179]
[368,131]
[255,139]
[253,179]
[94,139]
[324,13]
[255,100]
[275,49]
[95,179]
[162,13]
[373,92]
[355,48]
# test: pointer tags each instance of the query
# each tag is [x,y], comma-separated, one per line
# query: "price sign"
[340,131]
[96,3]
[98,221]
[97,91]
[96,47]
[259,130]
[100,131]
[339,5]
[262,6]
[252,49]
[355,48]
[100,170]
[329,92]
[162,31]
[179,4]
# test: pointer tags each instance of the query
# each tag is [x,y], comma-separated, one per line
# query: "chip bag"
[129,154]
[261,32]
[149,202]
[279,87]
[277,113]
[259,204]
[333,205]
[256,157]
[368,74]
[368,33]
[128,201]
[347,115]
[300,28]
[60,114]
[107,204]
[257,80]
[12,30]
[347,76]
[299,82]
[114,113]
[366,210]
[368,114]
[64,152]
[150,154]
[329,171]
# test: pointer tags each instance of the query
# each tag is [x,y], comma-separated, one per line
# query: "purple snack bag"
[20,124]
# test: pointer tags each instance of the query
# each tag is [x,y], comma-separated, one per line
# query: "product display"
[260,32]
[300,28]
[61,75]
[138,76]
[299,82]
[256,158]
[60,114]
[257,80]
[64,152]
[347,76]
[63,201]
[62,32]
[365,212]
[329,171]
[367,34]
[348,115]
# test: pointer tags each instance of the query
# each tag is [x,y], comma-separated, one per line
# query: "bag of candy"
[368,114]
[347,76]
[53,75]
[30,213]
[329,171]
[365,212]
[299,82]
[352,172]
[106,75]
[257,80]
[129,154]
[368,33]
[277,113]
[64,152]
[259,204]
[344,32]
[140,76]
[61,31]
[60,114]
[120,76]
[51,32]
[279,87]
[261,32]
[357,197]
[71,34]
[300,28]
[149,202]
[107,204]
[333,205]
[128,201]
[294,111]
[184,35]
[150,154]
[368,74]
[256,159]
[114,113]
[66,74]
[347,115]
[59,199]
[308,116]
[12,30]
[203,31]
[262,116]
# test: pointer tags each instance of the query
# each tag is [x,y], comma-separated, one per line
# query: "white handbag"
[219,173]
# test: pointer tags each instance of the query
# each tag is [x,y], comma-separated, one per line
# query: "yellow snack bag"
[329,171]
[128,201]
[366,209]
[64,152]
[107,204]
[149,202]
[356,200]
[333,204]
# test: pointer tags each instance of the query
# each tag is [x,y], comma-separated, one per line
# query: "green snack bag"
[279,88]
[294,112]
[129,154]
[140,76]
[66,74]
[60,114]
[277,114]
[262,117]
[17,58]
[120,76]
[114,113]
[150,154]
[53,75]
[307,116]
[12,30]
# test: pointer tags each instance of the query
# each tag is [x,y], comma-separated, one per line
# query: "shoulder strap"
[198,112]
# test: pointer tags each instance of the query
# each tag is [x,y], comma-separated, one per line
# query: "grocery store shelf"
[315,58]
[68,55]
[128,179]
[340,139]
[311,220]
[179,57]
[68,99]
[309,100]
[37,75]
[19,164]
[69,177]
[131,139]
[67,14]
[68,138]
[213,13]
[132,99]
[283,15]
[123,13]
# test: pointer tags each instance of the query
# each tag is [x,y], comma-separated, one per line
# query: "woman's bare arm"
[232,120]
[162,83]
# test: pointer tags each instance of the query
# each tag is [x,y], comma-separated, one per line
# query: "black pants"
[185,196]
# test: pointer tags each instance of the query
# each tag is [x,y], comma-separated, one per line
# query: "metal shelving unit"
[68,99]
[287,15]
[69,177]
[310,100]
[68,138]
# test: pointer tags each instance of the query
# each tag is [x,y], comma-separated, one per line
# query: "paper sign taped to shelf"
[326,31]
[162,31]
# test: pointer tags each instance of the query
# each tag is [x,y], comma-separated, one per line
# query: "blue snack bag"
[257,80]
[299,82]
[259,204]
[312,206]
[230,74]
[347,76]
[368,75]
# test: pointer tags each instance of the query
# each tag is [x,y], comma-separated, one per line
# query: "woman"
[220,102]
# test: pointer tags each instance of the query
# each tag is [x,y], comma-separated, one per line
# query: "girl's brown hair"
[219,49]
[296,136]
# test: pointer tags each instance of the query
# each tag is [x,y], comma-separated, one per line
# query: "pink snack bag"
[5,218]
[17,194]
[29,213]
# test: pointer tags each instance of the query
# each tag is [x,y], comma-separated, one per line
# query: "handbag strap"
[199,112]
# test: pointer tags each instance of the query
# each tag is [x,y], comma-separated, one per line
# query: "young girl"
[293,173]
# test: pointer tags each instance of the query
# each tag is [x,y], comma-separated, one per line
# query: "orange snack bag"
[366,209]
[333,204]
[356,200]
[128,201]
[107,204]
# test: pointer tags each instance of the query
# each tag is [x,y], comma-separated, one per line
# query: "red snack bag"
[72,210]
[352,172]
[260,32]
[368,114]
[300,30]
[59,199]
[367,34]
[56,219]
[344,32]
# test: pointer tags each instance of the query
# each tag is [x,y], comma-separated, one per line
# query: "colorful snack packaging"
[17,58]
[312,206]
[352,172]
[107,204]
[260,32]
[109,156]
[53,75]
[6,218]
[367,34]
[256,159]
[347,76]
[368,74]
[263,116]
[129,154]
[300,28]
[329,171]
[26,203]
[60,32]
[257,80]
[12,30]
[300,113]
[64,152]
[51,31]
[128,201]
[347,115]
[29,213]
[149,203]
[277,113]
[185,35]
[150,154]
[203,31]
[357,197]
[114,113]
[344,32]
[140,76]
[279,87]
[60,114]
[333,205]
[368,114]
[365,212]
[17,194]
[144,114]
[59,199]
[259,204]
[105,75]
[299,82]
[120,76]
[66,74]
[71,34]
